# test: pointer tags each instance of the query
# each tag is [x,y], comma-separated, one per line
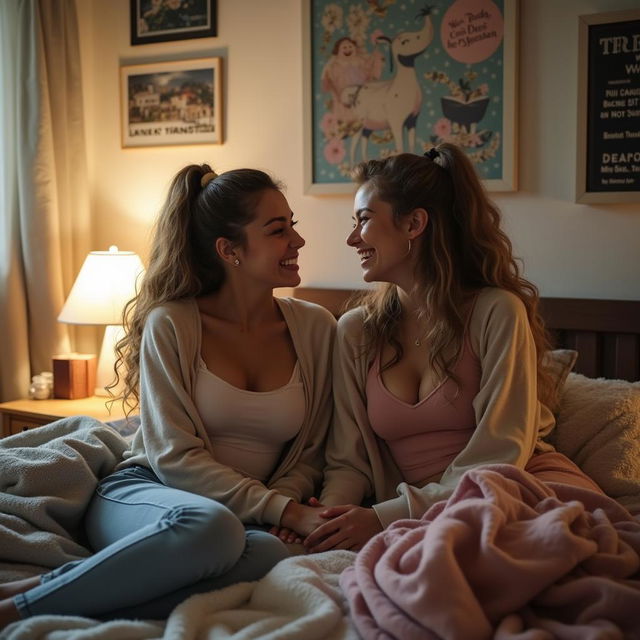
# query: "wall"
[571,250]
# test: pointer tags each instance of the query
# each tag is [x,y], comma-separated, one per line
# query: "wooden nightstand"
[19,415]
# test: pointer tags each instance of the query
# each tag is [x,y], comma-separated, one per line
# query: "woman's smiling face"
[270,253]
[383,247]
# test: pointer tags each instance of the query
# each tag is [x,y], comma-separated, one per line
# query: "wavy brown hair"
[183,261]
[462,250]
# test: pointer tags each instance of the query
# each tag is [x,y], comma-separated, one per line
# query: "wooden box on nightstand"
[19,415]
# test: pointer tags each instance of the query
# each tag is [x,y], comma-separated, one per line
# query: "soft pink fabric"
[507,556]
[425,437]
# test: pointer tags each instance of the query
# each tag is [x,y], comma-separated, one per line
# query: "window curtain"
[44,205]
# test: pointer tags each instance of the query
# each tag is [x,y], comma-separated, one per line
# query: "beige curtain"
[44,205]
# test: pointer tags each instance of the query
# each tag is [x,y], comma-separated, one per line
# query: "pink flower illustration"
[334,151]
[442,128]
[328,125]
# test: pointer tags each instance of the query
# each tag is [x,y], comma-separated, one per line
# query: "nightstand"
[19,415]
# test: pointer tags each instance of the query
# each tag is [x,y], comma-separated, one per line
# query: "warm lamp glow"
[106,282]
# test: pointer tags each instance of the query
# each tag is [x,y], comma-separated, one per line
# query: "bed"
[385,592]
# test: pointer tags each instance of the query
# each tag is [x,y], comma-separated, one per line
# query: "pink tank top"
[425,437]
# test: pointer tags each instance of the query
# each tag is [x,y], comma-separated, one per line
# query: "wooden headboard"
[605,333]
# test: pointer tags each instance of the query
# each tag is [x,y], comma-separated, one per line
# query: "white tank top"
[248,429]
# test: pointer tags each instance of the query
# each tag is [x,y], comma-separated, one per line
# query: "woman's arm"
[313,332]
[348,474]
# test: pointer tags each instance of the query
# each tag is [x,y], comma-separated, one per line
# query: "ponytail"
[200,207]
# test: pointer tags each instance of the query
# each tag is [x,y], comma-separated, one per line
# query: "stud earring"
[236,262]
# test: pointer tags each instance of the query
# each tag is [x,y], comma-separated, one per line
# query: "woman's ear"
[417,222]
[226,250]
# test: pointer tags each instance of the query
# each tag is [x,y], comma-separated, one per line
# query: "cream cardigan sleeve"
[508,413]
[358,464]
[313,331]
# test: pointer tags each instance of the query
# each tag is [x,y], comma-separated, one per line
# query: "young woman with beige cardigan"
[234,393]
[440,369]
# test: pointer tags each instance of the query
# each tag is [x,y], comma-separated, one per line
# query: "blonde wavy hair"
[463,250]
[183,262]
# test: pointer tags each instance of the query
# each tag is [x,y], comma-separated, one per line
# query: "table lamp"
[106,282]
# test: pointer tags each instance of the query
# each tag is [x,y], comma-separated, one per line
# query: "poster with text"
[391,76]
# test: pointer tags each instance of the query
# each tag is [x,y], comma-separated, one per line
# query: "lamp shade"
[106,282]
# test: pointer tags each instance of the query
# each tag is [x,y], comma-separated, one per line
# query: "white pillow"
[598,427]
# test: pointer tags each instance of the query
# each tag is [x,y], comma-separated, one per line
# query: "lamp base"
[105,373]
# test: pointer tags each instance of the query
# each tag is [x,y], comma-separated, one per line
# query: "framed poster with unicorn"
[390,76]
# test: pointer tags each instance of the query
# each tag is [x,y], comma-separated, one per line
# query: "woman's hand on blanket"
[285,534]
[349,527]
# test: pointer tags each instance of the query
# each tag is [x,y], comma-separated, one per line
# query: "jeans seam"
[83,573]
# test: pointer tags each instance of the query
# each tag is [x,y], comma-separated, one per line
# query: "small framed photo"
[164,20]
[171,103]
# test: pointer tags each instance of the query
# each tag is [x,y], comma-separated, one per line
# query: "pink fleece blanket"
[507,557]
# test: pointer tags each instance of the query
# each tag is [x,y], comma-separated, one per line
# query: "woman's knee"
[265,551]
[210,530]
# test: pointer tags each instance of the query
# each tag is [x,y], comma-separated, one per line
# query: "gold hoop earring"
[409,249]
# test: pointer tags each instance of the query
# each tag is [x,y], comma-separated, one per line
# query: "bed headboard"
[605,333]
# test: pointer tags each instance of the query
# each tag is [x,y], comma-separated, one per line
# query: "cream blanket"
[299,599]
[47,477]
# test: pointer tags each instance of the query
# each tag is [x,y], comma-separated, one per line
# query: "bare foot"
[10,589]
[8,613]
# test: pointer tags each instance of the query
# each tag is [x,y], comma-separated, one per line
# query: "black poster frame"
[608,99]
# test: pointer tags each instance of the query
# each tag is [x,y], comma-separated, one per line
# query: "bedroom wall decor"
[165,20]
[385,76]
[171,103]
[608,144]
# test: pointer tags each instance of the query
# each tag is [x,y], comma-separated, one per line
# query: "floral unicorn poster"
[392,76]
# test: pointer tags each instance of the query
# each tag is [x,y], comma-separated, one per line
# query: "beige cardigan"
[172,440]
[510,419]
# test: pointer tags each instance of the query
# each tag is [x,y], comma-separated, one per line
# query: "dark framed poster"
[165,20]
[386,77]
[608,144]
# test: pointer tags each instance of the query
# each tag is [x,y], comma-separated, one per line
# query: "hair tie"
[207,178]
[432,154]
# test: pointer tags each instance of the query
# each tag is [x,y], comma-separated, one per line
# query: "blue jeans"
[154,546]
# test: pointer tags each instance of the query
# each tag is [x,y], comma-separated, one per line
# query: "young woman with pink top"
[440,370]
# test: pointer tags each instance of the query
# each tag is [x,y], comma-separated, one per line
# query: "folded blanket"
[47,477]
[506,556]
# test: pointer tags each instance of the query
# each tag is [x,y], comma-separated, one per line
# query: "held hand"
[286,535]
[349,527]
[301,518]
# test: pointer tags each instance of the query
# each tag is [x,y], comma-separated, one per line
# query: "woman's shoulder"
[351,323]
[174,312]
[493,301]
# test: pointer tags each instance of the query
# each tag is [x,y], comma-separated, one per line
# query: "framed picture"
[164,20]
[170,103]
[389,76]
[608,149]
